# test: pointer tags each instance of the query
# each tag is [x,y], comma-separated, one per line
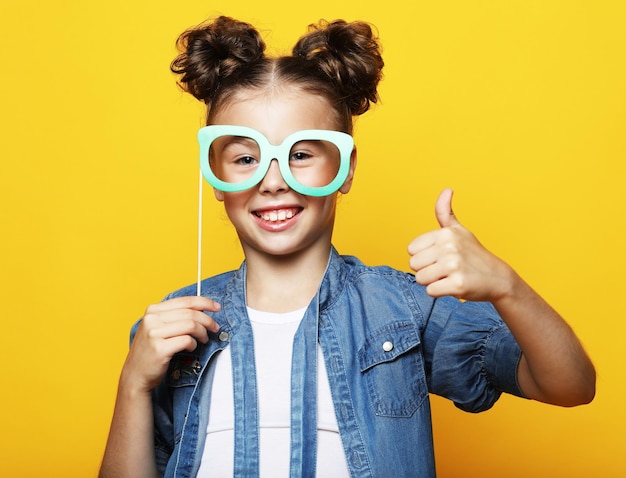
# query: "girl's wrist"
[510,287]
[132,387]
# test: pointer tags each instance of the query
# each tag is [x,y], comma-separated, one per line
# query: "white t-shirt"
[273,342]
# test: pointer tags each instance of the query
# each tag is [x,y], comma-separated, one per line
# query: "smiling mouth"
[276,215]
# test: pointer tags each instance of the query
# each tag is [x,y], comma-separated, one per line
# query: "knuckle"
[453,263]
[152,334]
[158,348]
[451,247]
[447,234]
[186,314]
[148,321]
[150,309]
[458,283]
[419,278]
[188,326]
[190,344]
[150,312]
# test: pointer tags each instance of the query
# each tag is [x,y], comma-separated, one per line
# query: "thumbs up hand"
[451,261]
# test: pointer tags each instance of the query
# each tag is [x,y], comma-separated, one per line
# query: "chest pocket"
[184,370]
[392,367]
[181,377]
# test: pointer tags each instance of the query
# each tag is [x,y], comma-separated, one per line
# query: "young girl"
[304,362]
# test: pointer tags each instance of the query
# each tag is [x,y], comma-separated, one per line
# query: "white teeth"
[278,215]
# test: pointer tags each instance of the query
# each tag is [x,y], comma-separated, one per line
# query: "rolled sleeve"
[501,360]
[475,356]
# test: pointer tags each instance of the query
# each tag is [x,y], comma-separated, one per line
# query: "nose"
[273,181]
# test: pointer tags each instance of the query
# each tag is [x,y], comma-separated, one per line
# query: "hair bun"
[214,52]
[350,55]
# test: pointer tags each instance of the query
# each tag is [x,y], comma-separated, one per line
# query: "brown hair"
[340,61]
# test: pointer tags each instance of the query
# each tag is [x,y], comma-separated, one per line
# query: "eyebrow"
[226,141]
[312,141]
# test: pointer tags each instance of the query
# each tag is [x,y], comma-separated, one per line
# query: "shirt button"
[388,346]
[223,336]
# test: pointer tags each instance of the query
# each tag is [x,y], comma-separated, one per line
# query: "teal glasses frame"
[344,143]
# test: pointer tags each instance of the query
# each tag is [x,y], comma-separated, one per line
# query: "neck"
[284,283]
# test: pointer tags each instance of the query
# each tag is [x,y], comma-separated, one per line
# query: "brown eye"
[299,156]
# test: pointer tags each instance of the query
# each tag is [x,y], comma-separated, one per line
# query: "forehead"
[277,112]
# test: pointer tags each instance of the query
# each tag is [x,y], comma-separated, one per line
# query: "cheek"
[234,203]
[325,206]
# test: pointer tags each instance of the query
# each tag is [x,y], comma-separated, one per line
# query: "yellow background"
[518,105]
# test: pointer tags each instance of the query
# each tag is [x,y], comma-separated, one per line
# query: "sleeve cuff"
[502,356]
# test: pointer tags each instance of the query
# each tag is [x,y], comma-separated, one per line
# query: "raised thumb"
[443,209]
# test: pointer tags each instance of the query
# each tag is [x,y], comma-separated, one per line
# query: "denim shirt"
[386,344]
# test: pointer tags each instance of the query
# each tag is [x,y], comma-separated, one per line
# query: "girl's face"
[270,218]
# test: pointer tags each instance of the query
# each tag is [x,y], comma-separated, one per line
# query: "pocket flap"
[388,343]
